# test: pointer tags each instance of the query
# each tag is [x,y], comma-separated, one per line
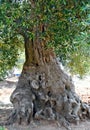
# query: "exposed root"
[46,92]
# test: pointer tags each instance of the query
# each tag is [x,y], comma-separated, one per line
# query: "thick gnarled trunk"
[36,54]
[44,91]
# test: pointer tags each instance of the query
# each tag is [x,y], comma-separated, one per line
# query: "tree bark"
[44,91]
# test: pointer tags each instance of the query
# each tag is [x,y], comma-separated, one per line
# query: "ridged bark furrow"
[46,92]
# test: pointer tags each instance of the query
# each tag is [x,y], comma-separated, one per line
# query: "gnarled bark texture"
[44,91]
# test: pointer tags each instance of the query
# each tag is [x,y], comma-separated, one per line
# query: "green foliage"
[79,60]
[66,23]
[10,51]
[2,128]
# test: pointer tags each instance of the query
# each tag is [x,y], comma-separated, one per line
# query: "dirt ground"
[82,88]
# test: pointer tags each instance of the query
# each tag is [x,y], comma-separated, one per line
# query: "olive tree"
[43,91]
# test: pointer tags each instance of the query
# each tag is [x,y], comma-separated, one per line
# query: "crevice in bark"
[46,92]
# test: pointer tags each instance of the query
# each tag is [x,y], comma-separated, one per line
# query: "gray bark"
[46,92]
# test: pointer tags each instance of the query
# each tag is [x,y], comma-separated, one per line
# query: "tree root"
[47,93]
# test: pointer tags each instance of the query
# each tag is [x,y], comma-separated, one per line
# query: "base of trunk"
[46,92]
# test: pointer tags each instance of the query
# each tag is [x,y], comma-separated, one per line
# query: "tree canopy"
[66,25]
